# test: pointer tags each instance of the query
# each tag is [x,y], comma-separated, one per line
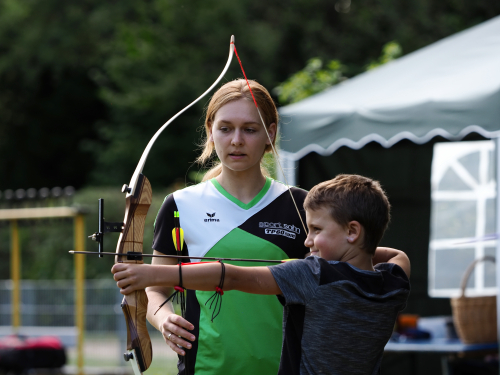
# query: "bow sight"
[104,227]
[117,227]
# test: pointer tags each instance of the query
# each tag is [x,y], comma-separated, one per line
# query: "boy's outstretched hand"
[130,277]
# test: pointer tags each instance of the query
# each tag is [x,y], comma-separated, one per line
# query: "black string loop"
[177,296]
[217,296]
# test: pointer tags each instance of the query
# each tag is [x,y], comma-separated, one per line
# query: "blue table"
[442,346]
[438,345]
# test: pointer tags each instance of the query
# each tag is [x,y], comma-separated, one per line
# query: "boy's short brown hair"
[353,197]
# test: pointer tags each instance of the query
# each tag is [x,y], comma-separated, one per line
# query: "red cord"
[191,263]
[244,75]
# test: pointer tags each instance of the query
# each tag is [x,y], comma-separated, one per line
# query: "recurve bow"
[138,200]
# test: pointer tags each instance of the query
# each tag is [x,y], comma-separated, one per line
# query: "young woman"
[237,212]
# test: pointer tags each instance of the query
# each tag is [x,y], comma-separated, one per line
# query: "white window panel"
[463,196]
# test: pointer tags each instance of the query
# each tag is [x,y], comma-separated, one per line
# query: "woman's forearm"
[389,255]
[156,296]
[384,254]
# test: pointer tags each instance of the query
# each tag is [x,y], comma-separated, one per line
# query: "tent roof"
[449,88]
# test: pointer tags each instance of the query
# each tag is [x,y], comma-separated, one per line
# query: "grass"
[104,354]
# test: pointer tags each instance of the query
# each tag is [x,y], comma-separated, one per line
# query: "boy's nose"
[308,242]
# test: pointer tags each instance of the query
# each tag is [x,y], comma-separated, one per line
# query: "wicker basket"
[475,318]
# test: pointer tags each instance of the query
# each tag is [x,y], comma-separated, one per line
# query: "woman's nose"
[237,138]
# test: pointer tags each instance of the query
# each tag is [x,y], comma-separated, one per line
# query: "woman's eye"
[250,130]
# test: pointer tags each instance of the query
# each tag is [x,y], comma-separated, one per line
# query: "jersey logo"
[211,218]
[279,229]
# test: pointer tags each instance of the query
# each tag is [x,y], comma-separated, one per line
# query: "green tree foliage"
[390,51]
[47,101]
[84,85]
[310,80]
[313,79]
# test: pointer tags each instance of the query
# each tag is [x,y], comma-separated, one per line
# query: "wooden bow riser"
[136,210]
[135,305]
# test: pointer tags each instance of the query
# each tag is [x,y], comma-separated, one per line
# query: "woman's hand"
[174,330]
[130,276]
[389,255]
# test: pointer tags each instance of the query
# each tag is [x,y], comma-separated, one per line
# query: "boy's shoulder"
[386,277]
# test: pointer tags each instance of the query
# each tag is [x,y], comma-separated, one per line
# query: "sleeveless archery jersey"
[245,338]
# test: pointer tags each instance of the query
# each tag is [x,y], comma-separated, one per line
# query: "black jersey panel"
[279,223]
[193,317]
[291,354]
[162,237]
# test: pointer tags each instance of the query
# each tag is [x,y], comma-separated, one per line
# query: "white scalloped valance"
[450,88]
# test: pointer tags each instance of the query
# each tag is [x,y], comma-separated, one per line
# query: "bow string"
[130,243]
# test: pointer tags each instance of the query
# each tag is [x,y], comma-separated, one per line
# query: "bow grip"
[135,305]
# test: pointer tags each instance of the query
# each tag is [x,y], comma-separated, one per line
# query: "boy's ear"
[354,229]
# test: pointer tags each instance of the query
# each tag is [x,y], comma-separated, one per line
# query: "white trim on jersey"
[207,216]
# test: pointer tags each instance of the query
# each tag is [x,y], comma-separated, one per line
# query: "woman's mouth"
[236,156]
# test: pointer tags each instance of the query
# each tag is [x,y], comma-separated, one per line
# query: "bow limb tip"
[232,39]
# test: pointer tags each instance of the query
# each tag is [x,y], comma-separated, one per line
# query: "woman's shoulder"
[184,193]
[192,190]
[178,198]
[297,192]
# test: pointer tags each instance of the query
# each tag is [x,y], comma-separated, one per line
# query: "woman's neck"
[244,185]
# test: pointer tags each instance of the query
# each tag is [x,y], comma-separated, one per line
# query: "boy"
[339,311]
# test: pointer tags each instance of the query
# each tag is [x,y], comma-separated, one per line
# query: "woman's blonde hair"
[231,91]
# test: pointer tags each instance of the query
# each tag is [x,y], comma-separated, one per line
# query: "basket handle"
[468,271]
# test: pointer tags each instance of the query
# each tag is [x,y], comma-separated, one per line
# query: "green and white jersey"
[245,338]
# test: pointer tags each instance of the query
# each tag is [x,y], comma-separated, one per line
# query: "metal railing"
[50,303]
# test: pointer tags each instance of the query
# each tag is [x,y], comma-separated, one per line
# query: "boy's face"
[326,239]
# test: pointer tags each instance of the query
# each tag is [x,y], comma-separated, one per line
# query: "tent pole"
[290,168]
[497,263]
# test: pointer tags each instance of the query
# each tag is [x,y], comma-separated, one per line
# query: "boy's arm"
[256,280]
[388,255]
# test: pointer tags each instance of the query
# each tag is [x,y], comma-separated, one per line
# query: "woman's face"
[239,136]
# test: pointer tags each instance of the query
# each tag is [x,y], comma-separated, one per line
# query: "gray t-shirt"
[337,318]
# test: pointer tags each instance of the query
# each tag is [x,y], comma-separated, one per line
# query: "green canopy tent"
[383,124]
[450,89]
